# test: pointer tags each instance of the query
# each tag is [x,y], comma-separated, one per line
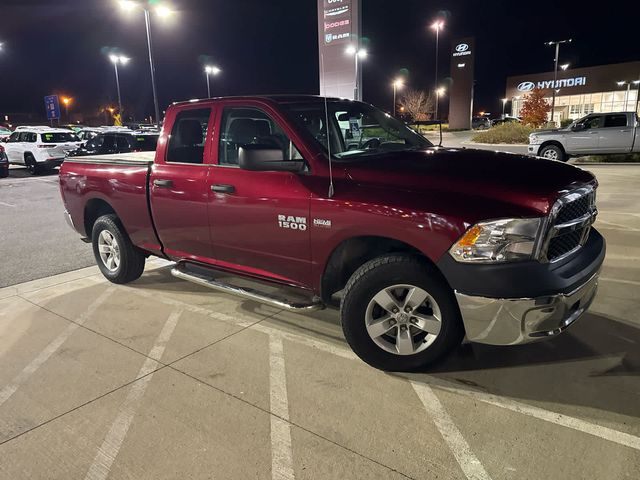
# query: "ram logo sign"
[461,50]
[560,83]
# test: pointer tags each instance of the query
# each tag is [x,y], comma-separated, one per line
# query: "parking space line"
[281,452]
[619,280]
[604,433]
[7,204]
[101,466]
[452,436]
[52,347]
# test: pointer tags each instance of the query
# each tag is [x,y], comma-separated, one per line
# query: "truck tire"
[553,152]
[118,259]
[399,314]
[32,165]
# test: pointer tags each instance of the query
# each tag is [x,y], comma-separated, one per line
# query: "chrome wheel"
[403,319]
[551,154]
[109,250]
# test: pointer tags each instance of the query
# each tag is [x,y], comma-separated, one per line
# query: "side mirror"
[577,127]
[265,158]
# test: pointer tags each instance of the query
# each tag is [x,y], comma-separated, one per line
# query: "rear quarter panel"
[123,187]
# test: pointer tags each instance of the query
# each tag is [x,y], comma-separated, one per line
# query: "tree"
[535,108]
[417,104]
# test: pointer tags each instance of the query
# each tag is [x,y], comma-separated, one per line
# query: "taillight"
[47,145]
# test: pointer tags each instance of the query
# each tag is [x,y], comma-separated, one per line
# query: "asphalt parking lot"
[164,379]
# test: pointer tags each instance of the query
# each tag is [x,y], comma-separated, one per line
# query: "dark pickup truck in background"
[421,245]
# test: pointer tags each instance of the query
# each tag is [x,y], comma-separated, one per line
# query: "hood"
[507,183]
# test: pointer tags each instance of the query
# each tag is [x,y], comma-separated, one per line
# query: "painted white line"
[110,447]
[461,450]
[619,280]
[52,347]
[605,433]
[281,452]
[7,204]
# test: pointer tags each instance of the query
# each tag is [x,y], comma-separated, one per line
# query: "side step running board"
[179,271]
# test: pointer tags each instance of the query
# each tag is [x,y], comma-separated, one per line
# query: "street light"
[555,72]
[439,92]
[115,59]
[504,103]
[210,70]
[437,26]
[397,83]
[66,101]
[358,53]
[162,11]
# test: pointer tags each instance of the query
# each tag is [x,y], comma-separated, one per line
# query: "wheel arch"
[94,209]
[352,253]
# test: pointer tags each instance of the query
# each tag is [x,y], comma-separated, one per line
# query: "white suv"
[40,148]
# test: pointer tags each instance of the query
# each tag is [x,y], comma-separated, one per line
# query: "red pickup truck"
[336,201]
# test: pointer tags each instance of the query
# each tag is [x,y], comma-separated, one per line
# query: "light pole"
[437,26]
[439,93]
[358,53]
[555,72]
[210,70]
[396,84]
[115,59]
[504,103]
[162,11]
[66,101]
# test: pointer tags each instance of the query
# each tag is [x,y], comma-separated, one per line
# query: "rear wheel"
[118,259]
[32,165]
[399,314]
[553,152]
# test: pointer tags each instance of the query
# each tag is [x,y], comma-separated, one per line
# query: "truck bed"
[117,183]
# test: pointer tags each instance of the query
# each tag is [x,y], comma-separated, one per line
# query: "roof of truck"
[278,98]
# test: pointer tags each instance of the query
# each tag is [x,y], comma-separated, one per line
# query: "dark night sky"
[59,46]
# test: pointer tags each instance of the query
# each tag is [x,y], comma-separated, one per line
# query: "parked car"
[4,134]
[594,134]
[419,246]
[480,123]
[40,148]
[506,119]
[4,163]
[88,133]
[118,142]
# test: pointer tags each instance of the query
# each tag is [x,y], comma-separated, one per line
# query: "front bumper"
[521,302]
[51,163]
[533,149]
[513,321]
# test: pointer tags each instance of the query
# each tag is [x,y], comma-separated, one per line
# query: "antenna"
[326,123]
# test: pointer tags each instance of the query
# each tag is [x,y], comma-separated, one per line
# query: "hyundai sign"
[560,83]
[461,50]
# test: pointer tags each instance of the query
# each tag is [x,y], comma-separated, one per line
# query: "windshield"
[356,129]
[59,137]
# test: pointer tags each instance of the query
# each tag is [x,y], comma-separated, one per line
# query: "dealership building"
[580,91]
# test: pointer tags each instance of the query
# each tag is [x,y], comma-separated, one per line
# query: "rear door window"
[188,136]
[122,143]
[612,121]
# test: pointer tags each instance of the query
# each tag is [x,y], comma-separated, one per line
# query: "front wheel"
[118,259]
[553,152]
[399,314]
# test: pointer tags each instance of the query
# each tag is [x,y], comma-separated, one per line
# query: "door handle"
[163,183]
[220,188]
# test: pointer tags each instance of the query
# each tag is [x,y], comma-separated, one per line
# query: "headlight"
[505,240]
[533,139]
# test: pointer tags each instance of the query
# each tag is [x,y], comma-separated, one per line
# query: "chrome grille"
[569,224]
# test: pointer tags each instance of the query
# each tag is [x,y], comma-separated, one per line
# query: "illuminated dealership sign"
[338,29]
[560,83]
[461,50]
